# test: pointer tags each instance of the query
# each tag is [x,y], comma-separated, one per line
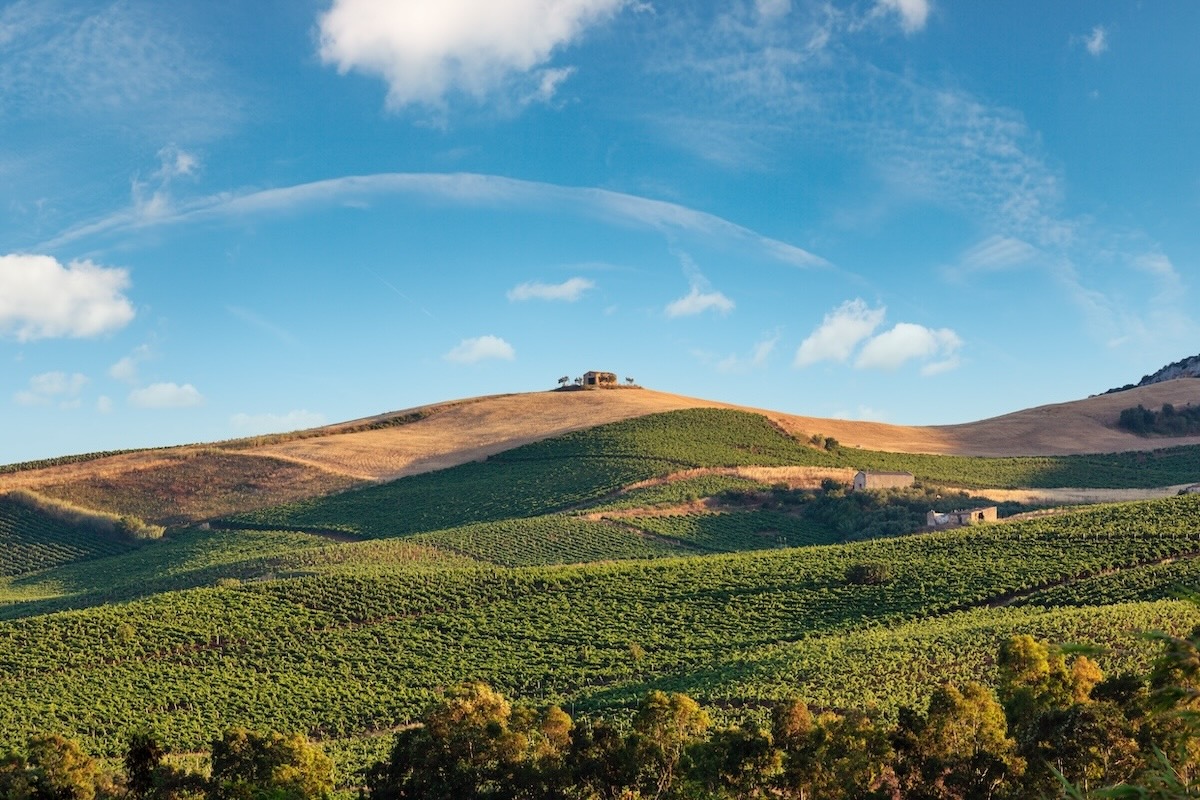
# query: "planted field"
[482,492]
[588,466]
[1175,579]
[31,541]
[676,492]
[731,532]
[350,650]
[196,558]
[546,540]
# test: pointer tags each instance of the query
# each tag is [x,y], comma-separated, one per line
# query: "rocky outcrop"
[1185,368]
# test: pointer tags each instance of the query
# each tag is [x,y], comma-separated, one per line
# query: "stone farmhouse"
[969,516]
[594,378]
[882,480]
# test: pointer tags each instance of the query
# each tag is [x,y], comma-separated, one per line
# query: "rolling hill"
[581,548]
[192,483]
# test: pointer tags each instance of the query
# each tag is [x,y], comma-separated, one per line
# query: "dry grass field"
[180,486]
[199,482]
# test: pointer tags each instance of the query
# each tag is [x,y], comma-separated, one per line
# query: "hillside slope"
[198,482]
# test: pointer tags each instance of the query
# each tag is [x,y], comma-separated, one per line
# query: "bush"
[871,573]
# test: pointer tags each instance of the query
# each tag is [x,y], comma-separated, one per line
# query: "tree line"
[1167,421]
[1053,726]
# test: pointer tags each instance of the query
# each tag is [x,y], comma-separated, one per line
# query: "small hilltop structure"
[595,379]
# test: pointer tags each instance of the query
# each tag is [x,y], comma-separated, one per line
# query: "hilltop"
[195,482]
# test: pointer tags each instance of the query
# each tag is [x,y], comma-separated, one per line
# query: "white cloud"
[697,302]
[469,351]
[702,296]
[126,369]
[906,341]
[569,290]
[275,423]
[1096,42]
[547,84]
[51,386]
[175,162]
[773,9]
[913,13]
[42,299]
[839,333]
[104,404]
[166,395]
[426,51]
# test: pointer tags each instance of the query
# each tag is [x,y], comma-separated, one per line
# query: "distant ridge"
[1185,368]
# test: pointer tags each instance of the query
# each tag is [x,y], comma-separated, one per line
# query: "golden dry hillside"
[197,482]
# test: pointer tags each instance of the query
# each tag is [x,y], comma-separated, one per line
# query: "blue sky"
[225,218]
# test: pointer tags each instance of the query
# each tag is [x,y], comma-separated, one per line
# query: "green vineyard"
[32,541]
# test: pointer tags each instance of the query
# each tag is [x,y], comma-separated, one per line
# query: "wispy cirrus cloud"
[427,52]
[465,189]
[69,60]
[568,291]
[757,358]
[1096,41]
[41,298]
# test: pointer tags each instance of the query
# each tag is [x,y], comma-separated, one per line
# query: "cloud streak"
[464,189]
[568,291]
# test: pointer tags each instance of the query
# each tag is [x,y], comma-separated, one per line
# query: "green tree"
[53,768]
[664,728]
[248,766]
[959,749]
